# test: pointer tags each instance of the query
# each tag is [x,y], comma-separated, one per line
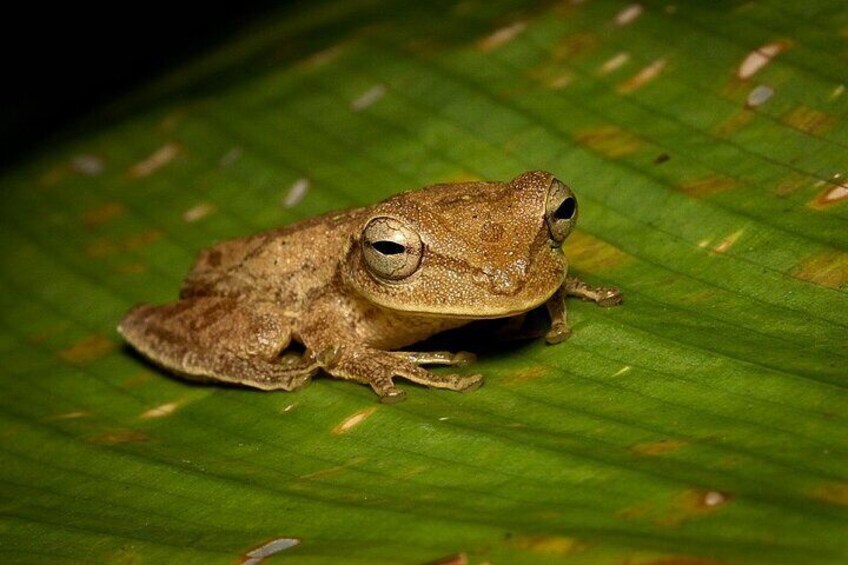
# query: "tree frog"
[348,290]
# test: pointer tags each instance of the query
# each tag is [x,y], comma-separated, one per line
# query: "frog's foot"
[601,295]
[378,369]
[458,359]
[559,332]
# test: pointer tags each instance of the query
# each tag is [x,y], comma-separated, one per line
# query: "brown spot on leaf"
[809,120]
[708,186]
[89,349]
[661,158]
[829,269]
[654,448]
[354,420]
[575,45]
[455,559]
[118,437]
[525,374]
[833,194]
[104,213]
[101,247]
[589,254]
[693,503]
[142,239]
[132,268]
[833,493]
[331,471]
[610,140]
[733,124]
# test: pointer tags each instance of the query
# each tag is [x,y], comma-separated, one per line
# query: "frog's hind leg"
[219,339]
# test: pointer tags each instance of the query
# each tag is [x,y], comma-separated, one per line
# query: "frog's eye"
[391,250]
[560,211]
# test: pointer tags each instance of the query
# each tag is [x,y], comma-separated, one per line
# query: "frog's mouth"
[472,312]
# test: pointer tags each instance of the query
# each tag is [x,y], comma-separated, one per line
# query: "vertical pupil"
[388,247]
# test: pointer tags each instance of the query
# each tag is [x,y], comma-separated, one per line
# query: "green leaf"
[702,421]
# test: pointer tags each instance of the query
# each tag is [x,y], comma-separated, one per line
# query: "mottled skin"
[353,286]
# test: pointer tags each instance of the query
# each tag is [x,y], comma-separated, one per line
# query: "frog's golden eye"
[391,250]
[560,211]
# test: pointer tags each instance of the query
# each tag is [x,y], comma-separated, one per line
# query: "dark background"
[63,61]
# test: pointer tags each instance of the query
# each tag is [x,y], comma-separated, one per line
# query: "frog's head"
[470,250]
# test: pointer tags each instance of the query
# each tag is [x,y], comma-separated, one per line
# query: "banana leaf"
[703,421]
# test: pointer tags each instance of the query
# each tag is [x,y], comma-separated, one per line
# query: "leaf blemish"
[352,421]
[759,58]
[89,349]
[368,98]
[613,63]
[87,164]
[501,36]
[161,411]
[296,193]
[155,161]
[268,549]
[728,242]
[833,195]
[198,212]
[759,96]
[628,15]
[644,76]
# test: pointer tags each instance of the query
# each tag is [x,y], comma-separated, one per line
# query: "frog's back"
[284,265]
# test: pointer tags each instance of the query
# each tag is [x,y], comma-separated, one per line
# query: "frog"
[348,292]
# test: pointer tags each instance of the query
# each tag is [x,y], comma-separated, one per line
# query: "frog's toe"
[558,333]
[462,358]
[470,383]
[609,296]
[391,395]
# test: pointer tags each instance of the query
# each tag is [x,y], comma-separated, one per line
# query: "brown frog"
[352,287]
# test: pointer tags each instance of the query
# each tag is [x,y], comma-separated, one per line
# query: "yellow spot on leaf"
[644,76]
[809,120]
[502,36]
[102,214]
[89,349]
[455,559]
[610,141]
[332,471]
[267,549]
[623,370]
[733,124]
[661,447]
[684,506]
[70,415]
[142,239]
[559,545]
[833,493]
[575,45]
[708,186]
[120,436]
[155,161]
[614,63]
[829,269]
[133,268]
[728,242]
[525,375]
[589,254]
[161,411]
[352,421]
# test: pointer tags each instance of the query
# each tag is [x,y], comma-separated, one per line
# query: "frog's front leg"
[602,296]
[377,368]
[219,339]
